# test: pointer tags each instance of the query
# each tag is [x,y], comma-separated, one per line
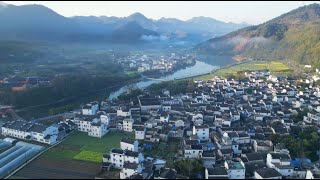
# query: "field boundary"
[45,150]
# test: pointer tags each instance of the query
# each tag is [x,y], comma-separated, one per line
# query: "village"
[163,63]
[230,128]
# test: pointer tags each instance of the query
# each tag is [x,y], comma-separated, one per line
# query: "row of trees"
[62,87]
[175,87]
[306,144]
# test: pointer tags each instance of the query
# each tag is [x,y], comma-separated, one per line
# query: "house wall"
[131,147]
[140,135]
[192,153]
[203,134]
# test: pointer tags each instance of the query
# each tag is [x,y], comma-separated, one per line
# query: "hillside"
[291,36]
[34,22]
[37,22]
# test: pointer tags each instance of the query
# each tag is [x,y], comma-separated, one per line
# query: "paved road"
[52,117]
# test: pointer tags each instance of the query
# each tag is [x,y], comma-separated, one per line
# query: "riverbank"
[275,67]
[197,69]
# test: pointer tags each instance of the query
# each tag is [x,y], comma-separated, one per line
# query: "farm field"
[45,167]
[83,147]
[77,157]
[275,67]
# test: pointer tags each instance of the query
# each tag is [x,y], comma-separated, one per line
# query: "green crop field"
[275,67]
[83,147]
[89,156]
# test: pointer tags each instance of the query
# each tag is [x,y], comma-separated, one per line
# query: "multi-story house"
[90,108]
[130,169]
[127,144]
[201,131]
[236,169]
[95,125]
[128,125]
[118,157]
[30,131]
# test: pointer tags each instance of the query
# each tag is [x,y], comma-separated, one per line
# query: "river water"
[202,66]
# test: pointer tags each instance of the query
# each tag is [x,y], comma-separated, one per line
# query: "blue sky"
[228,11]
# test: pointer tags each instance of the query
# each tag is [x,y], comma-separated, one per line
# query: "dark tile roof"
[118,151]
[139,128]
[281,156]
[106,156]
[226,151]
[268,172]
[129,165]
[254,156]
[208,154]
[135,176]
[197,147]
[168,174]
[127,140]
[131,153]
[217,170]
[252,167]
[201,127]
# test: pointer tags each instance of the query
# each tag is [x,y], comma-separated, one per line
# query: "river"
[202,66]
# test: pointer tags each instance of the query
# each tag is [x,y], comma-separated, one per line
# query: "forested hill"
[291,36]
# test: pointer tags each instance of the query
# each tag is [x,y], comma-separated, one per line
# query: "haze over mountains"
[292,36]
[37,22]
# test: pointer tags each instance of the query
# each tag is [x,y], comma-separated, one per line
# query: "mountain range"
[37,22]
[293,36]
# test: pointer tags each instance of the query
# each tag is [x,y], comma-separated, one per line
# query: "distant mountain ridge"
[292,36]
[37,22]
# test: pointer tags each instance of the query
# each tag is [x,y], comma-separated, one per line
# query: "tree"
[189,167]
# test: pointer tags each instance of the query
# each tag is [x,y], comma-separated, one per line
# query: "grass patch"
[61,153]
[89,156]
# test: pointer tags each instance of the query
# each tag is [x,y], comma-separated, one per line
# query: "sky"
[229,11]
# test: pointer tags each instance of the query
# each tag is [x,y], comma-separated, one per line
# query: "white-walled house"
[216,172]
[30,131]
[130,169]
[164,117]
[118,157]
[278,158]
[267,173]
[201,131]
[140,133]
[124,112]
[236,170]
[193,151]
[90,108]
[95,125]
[127,144]
[128,125]
[281,163]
